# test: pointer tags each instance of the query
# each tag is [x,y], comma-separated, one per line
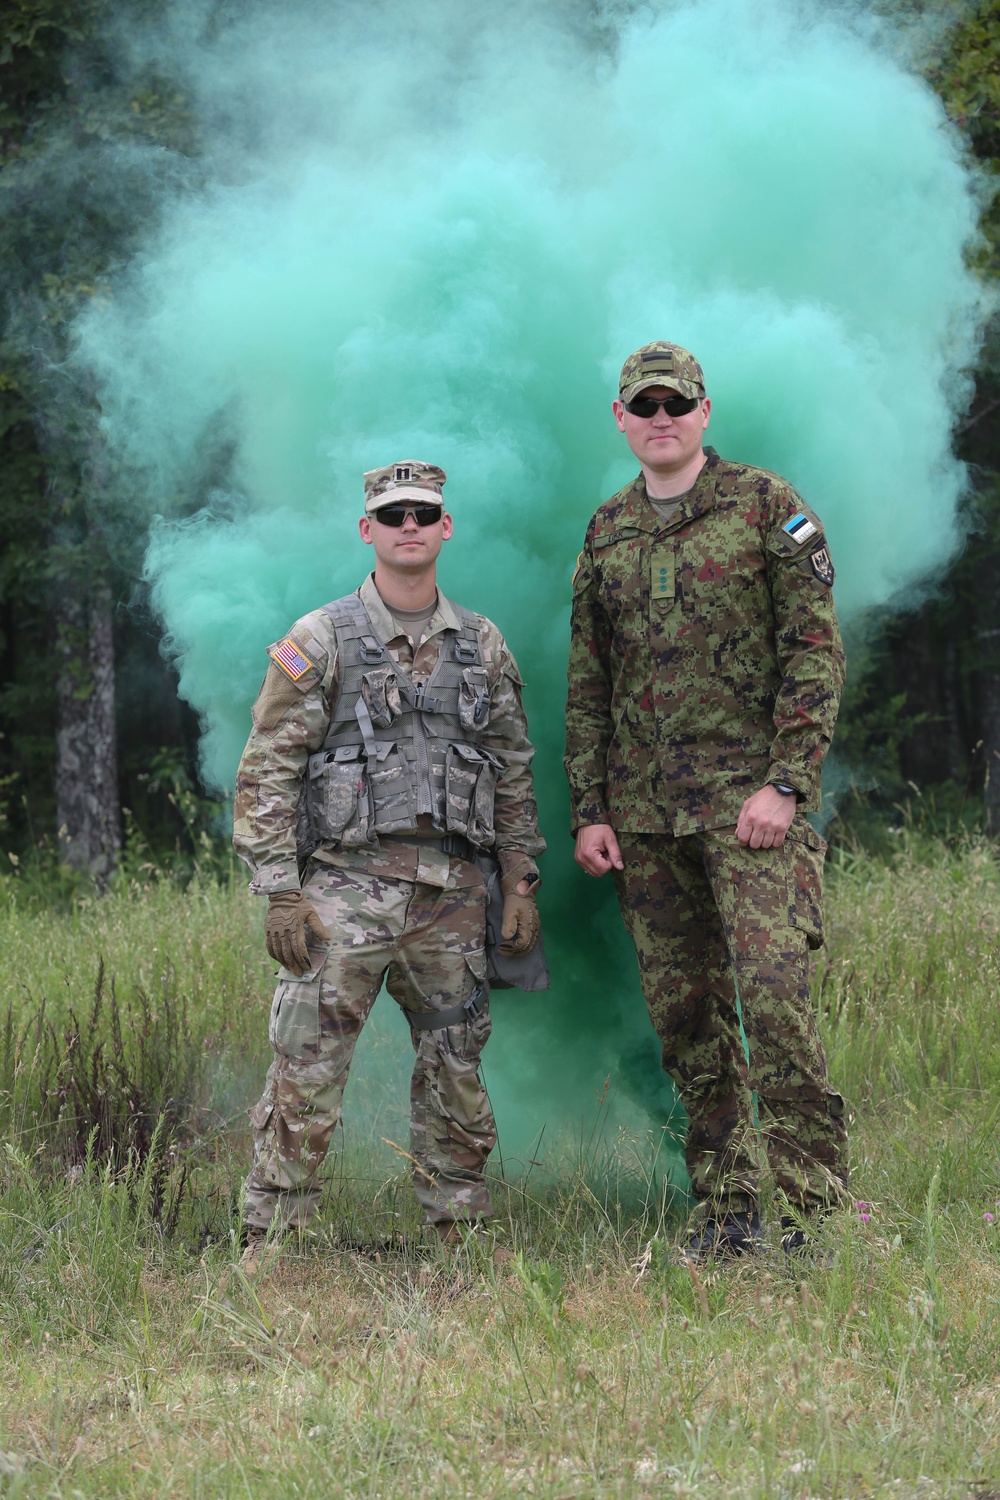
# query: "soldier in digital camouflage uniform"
[389,745]
[704,679]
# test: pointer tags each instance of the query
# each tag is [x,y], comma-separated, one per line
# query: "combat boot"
[735,1234]
[453,1234]
[258,1254]
[801,1245]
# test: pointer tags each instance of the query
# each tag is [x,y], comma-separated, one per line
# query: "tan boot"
[258,1254]
[450,1233]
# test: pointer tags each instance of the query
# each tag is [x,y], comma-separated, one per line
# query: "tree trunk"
[87,807]
[955,738]
[989,707]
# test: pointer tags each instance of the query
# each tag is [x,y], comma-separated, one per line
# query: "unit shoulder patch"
[290,658]
[576,570]
[822,565]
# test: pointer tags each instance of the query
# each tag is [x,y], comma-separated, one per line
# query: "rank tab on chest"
[661,575]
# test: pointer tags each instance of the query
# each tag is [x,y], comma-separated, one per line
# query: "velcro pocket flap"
[348,752]
[468,753]
[802,832]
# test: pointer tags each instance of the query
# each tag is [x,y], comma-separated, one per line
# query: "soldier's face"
[407,546]
[662,443]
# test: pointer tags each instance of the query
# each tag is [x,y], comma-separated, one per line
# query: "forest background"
[97,747]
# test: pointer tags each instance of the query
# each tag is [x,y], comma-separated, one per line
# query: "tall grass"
[908,989]
[139,1360]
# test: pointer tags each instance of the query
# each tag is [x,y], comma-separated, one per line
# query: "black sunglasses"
[395,515]
[674,406]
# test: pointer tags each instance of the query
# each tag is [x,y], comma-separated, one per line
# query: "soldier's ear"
[706,411]
[618,407]
[447,526]
[365,530]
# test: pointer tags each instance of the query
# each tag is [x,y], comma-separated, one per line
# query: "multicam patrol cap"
[661,364]
[408,480]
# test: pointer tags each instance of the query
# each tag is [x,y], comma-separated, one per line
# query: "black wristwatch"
[786,791]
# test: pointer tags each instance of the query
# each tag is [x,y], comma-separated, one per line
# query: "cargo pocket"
[391,792]
[807,852]
[260,1115]
[477,1031]
[293,1029]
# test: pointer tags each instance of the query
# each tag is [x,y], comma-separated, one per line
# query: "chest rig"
[395,752]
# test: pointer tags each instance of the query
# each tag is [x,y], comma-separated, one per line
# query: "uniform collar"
[694,502]
[443,618]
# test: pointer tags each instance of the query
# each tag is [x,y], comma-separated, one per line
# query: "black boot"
[800,1244]
[735,1234]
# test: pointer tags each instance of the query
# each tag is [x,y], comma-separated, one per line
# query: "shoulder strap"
[352,622]
[468,644]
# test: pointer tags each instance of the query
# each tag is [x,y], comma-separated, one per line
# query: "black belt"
[450,843]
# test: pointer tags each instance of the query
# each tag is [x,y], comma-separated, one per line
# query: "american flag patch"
[289,658]
[799,528]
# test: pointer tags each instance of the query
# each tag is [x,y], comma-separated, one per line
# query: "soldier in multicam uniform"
[704,679]
[389,745]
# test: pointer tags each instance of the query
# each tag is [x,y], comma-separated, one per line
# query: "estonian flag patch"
[799,528]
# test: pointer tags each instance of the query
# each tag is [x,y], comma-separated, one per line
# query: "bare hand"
[597,849]
[765,818]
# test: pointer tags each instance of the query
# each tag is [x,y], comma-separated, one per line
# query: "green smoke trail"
[435,233]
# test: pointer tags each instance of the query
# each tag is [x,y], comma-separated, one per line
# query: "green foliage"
[73,208]
[965,71]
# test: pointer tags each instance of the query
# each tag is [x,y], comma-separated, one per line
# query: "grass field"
[138,1360]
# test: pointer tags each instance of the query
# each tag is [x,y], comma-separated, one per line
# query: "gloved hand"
[521,924]
[289,915]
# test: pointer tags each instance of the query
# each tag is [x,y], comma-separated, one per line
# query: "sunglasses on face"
[674,406]
[395,515]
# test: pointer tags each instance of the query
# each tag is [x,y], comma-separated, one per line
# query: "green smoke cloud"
[428,232]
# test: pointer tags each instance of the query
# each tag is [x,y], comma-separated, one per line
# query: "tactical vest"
[394,751]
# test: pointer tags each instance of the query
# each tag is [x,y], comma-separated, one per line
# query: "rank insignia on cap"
[822,566]
[289,658]
[403,474]
[799,528]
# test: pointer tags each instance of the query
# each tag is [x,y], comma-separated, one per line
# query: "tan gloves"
[521,923]
[289,916]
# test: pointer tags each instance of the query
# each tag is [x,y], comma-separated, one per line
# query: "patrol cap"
[661,364]
[408,480]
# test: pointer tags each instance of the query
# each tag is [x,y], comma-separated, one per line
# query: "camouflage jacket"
[290,721]
[705,658]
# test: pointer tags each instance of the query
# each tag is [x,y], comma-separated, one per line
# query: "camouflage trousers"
[708,915]
[427,944]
